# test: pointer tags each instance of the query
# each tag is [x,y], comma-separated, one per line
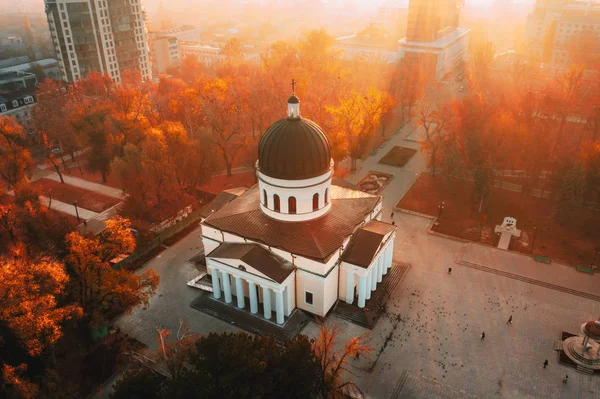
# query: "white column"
[239,292]
[368,285]
[267,302]
[290,300]
[349,287]
[362,291]
[386,256]
[279,306]
[226,286]
[215,283]
[390,255]
[374,277]
[380,267]
[253,297]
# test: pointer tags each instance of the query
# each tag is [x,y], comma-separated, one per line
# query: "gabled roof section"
[315,239]
[366,242]
[256,256]
[217,203]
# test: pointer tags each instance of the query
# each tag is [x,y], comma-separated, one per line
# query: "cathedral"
[296,240]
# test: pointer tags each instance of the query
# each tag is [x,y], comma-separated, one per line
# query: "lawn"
[111,179]
[573,243]
[216,184]
[65,193]
[398,156]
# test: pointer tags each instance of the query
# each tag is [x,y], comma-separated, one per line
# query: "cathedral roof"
[315,239]
[266,262]
[366,242]
[294,149]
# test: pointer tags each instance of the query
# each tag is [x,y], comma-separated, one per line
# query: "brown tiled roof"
[217,203]
[266,262]
[316,239]
[365,243]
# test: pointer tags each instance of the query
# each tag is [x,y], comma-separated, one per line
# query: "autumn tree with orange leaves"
[29,297]
[15,160]
[97,286]
[335,364]
[356,117]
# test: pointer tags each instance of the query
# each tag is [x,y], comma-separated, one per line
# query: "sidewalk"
[555,273]
[86,185]
[69,209]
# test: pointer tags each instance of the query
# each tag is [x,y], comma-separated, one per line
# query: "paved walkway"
[87,185]
[69,209]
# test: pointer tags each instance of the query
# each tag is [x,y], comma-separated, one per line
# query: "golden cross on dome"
[293,86]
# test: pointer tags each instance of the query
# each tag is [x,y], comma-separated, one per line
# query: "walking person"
[509,320]
[449,270]
[392,216]
[545,363]
[566,379]
[483,335]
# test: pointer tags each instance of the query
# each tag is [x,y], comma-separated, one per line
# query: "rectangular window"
[308,298]
[2,107]
[15,103]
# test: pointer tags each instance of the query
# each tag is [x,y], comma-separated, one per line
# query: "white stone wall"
[302,190]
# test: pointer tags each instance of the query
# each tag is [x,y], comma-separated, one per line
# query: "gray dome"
[294,149]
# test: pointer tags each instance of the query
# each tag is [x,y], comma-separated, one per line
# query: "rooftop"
[442,42]
[366,242]
[256,256]
[315,239]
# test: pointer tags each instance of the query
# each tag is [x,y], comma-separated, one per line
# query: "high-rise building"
[107,36]
[433,39]
[556,30]
[165,53]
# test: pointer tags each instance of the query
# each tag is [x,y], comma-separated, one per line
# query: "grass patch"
[398,156]
[85,199]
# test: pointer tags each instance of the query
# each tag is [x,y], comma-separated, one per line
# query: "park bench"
[543,259]
[585,269]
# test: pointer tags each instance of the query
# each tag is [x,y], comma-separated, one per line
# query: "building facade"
[17,97]
[295,240]
[433,39]
[184,33]
[164,51]
[560,25]
[106,36]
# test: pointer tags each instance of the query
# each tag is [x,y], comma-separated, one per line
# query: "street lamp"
[533,238]
[596,252]
[440,209]
[76,211]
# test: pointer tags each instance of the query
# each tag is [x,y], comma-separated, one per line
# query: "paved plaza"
[434,320]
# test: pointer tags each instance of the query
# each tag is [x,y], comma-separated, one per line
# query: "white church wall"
[330,289]
[233,238]
[209,245]
[306,282]
[211,232]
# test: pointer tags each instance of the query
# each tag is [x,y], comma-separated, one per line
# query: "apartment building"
[107,36]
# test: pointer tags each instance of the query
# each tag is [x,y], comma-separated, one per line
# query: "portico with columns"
[249,277]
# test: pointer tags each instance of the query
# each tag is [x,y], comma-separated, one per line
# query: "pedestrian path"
[514,265]
[84,214]
[87,185]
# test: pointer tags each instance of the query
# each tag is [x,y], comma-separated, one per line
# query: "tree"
[434,123]
[226,117]
[334,364]
[29,300]
[15,160]
[96,285]
[93,121]
[570,193]
[225,366]
[357,117]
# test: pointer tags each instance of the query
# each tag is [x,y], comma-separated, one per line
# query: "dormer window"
[3,108]
[15,103]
